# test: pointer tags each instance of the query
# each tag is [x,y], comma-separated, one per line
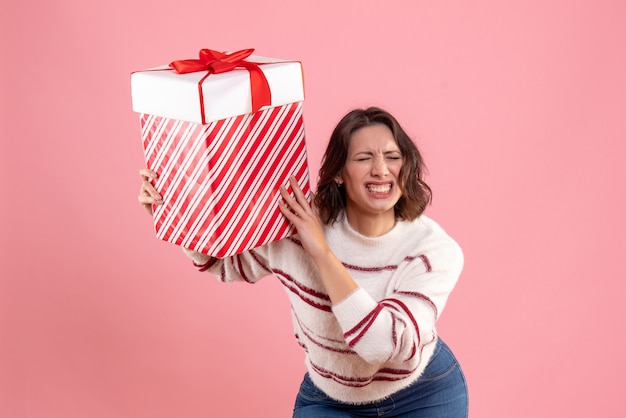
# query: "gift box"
[223,143]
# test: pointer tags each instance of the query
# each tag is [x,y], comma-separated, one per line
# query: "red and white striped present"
[220,180]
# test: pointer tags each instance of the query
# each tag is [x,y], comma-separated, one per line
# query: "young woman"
[367,275]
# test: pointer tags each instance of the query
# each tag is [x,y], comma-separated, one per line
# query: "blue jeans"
[441,391]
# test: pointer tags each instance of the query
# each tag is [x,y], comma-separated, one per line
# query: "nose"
[379,168]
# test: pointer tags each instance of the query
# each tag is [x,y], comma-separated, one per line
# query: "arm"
[335,278]
[250,266]
[397,327]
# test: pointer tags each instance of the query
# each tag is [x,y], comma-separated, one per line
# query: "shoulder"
[431,240]
[423,228]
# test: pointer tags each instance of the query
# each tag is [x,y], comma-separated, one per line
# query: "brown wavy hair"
[331,198]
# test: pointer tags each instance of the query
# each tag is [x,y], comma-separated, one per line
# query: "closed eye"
[366,156]
[393,155]
[363,156]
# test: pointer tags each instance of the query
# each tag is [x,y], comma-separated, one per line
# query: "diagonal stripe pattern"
[220,181]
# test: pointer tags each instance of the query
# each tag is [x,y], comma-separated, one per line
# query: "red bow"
[215,62]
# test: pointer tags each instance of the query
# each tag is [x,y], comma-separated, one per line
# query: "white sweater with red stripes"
[379,339]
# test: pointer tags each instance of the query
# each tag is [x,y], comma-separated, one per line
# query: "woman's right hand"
[148,195]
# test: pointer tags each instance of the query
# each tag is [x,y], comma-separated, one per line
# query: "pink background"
[519,107]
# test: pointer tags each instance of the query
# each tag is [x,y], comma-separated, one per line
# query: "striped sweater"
[379,339]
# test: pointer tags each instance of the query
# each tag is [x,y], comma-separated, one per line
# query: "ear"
[338,180]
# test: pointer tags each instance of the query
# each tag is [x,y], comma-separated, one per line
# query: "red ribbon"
[215,62]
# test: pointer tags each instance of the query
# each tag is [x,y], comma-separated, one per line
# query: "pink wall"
[519,107]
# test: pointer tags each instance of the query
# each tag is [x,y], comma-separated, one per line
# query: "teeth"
[379,188]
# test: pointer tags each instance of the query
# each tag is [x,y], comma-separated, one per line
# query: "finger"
[147,174]
[146,202]
[149,189]
[314,207]
[288,199]
[297,191]
[288,213]
[146,197]
[291,204]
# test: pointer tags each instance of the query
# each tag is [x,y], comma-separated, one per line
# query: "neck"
[373,225]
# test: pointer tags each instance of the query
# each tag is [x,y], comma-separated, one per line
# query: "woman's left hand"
[305,218]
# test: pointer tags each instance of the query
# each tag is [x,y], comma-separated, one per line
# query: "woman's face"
[371,173]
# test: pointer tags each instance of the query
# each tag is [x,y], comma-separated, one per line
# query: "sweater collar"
[362,242]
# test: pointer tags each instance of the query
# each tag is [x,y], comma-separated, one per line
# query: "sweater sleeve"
[250,266]
[396,328]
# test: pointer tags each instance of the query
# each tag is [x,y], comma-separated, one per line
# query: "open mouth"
[378,188]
